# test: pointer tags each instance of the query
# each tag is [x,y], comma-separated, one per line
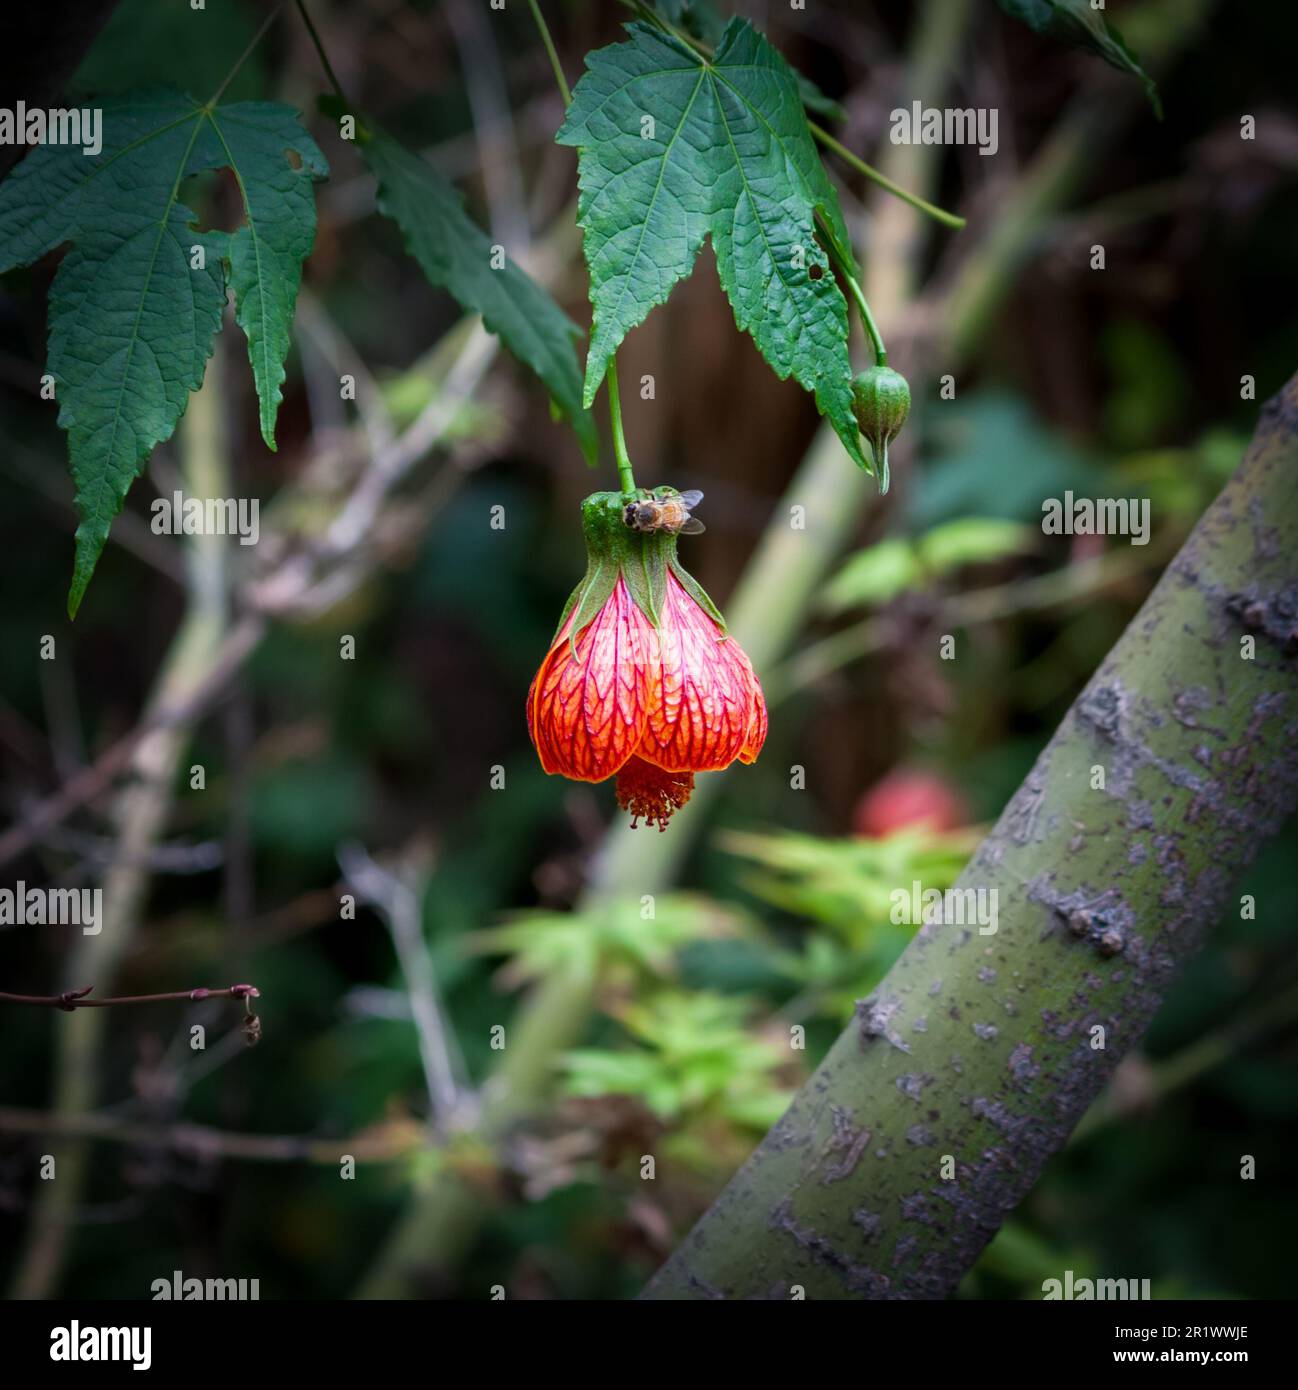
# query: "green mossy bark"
[980,1049]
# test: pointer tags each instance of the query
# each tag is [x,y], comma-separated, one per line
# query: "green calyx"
[641,558]
[881,403]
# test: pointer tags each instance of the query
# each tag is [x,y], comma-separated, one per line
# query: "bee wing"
[693,526]
[691,499]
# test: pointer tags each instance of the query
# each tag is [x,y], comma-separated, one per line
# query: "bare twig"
[303,583]
[176,858]
[334,346]
[493,124]
[384,1144]
[72,999]
[93,781]
[306,582]
[396,894]
[130,531]
[139,815]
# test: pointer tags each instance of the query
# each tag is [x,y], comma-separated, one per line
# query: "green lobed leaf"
[729,156]
[456,255]
[1075,22]
[265,255]
[704,21]
[131,323]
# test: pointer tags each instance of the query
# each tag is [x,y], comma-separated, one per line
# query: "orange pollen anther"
[649,792]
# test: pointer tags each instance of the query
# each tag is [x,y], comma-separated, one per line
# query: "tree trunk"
[934,1112]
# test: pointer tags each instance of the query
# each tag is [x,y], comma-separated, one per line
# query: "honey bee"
[665,513]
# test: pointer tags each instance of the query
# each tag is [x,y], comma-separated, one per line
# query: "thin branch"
[174,858]
[857,293]
[553,52]
[244,56]
[291,589]
[130,531]
[341,355]
[384,1144]
[396,894]
[947,219]
[139,815]
[320,50]
[493,124]
[93,781]
[73,999]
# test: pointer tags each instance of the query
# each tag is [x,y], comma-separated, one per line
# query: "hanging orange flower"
[642,681]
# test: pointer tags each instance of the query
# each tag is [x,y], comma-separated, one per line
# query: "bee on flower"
[642,682]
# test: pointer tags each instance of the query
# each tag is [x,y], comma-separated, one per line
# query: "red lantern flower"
[642,681]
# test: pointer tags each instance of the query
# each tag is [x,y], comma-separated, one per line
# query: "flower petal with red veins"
[700,693]
[757,726]
[586,714]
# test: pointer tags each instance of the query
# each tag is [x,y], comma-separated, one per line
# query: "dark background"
[1116,383]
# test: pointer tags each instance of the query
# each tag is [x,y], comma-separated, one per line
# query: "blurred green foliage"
[896,566]
[691,1053]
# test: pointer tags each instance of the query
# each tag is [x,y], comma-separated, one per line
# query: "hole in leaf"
[215,200]
[815,272]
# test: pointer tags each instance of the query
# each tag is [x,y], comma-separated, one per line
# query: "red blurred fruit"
[906,799]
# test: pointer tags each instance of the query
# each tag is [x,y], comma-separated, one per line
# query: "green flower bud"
[881,403]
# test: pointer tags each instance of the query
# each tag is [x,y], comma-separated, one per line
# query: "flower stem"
[867,318]
[858,296]
[243,57]
[651,16]
[625,476]
[319,48]
[552,51]
[624,473]
[947,219]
